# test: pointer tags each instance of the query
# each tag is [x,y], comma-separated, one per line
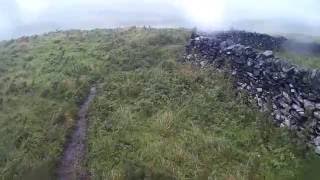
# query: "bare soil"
[71,165]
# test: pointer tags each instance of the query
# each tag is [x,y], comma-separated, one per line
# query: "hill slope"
[152,117]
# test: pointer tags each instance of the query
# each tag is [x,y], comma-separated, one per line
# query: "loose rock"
[268,54]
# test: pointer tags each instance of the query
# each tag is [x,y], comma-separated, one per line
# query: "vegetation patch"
[307,61]
[166,120]
[153,118]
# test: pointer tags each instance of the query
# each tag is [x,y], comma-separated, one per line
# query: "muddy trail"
[71,165]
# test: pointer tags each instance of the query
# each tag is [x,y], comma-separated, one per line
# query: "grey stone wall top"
[290,93]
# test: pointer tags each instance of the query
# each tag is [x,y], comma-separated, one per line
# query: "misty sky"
[25,17]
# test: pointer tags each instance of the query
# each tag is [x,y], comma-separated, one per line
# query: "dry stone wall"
[290,93]
[255,40]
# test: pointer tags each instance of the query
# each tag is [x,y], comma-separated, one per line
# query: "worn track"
[71,164]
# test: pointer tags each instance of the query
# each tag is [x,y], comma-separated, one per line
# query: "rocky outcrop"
[290,93]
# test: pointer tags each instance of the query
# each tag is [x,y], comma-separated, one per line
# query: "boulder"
[317,114]
[317,150]
[308,105]
[316,141]
[268,54]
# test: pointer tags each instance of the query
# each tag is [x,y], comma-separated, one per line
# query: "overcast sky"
[24,17]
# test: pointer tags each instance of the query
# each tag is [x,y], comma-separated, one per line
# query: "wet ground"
[71,164]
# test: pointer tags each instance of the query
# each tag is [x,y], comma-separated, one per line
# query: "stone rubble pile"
[290,93]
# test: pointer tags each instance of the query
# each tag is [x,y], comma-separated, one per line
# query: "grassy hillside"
[307,61]
[153,117]
[182,124]
[42,81]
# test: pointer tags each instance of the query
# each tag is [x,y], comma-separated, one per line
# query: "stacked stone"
[255,40]
[290,93]
[267,42]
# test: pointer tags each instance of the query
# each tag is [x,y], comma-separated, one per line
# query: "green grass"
[304,60]
[42,81]
[300,37]
[307,61]
[172,121]
[152,118]
[185,124]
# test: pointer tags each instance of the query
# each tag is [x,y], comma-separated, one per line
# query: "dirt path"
[71,164]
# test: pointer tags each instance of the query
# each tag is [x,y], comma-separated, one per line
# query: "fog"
[26,17]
